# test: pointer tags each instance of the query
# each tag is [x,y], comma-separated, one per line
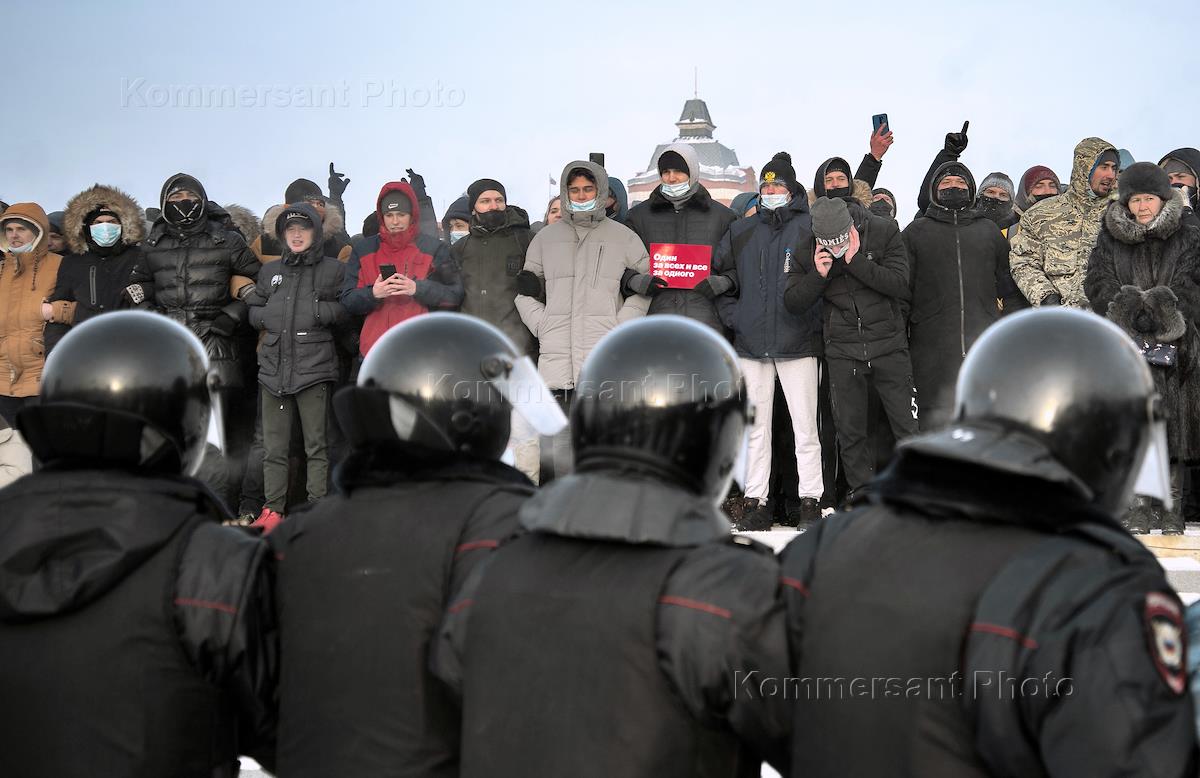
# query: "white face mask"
[840,251]
[773,201]
[675,190]
[28,247]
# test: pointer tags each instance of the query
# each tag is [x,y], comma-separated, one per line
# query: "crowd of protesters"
[849,329]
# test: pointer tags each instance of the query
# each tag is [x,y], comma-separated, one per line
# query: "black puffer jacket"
[92,278]
[958,264]
[185,273]
[95,283]
[489,262]
[134,627]
[863,314]
[296,302]
[701,221]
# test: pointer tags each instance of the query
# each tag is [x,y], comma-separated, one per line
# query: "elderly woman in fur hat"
[1143,275]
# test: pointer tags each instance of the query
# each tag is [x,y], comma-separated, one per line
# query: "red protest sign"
[681,265]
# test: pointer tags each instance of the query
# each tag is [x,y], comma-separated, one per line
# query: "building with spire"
[720,172]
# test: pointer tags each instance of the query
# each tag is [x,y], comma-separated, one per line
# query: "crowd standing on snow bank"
[850,331]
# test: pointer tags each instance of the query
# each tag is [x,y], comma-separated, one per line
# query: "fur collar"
[1125,228]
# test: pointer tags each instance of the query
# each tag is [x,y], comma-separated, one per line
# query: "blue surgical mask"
[105,233]
[773,201]
[457,235]
[676,190]
[28,247]
[589,205]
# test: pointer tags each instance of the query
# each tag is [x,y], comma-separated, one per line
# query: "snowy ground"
[1182,572]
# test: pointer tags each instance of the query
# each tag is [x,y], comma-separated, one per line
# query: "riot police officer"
[607,639]
[136,633]
[365,575]
[984,613]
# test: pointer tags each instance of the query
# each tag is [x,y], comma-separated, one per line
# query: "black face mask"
[183,212]
[842,192]
[882,208]
[491,220]
[1039,198]
[954,198]
[996,210]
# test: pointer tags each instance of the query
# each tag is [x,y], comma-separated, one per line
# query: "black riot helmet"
[1067,382]
[127,389]
[444,382]
[662,396]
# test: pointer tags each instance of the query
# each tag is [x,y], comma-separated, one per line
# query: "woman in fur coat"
[1144,274]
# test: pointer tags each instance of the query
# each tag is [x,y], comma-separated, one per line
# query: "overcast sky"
[129,93]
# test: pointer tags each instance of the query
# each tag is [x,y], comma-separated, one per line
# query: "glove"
[714,286]
[956,142]
[646,284]
[529,284]
[223,325]
[1052,299]
[417,182]
[337,184]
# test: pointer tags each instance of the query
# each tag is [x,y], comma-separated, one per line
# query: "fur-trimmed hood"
[333,223]
[245,221]
[860,190]
[1124,227]
[133,226]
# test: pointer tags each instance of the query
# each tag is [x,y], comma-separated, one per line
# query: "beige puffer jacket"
[582,259]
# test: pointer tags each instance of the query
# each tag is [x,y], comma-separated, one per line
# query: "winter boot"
[757,517]
[267,521]
[791,514]
[810,512]
[734,505]
[1138,518]
[1172,521]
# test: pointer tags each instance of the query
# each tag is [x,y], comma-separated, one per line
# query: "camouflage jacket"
[1051,248]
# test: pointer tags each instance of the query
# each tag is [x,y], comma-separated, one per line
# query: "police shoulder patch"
[1164,630]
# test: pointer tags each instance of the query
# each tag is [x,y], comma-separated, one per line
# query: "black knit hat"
[481,186]
[779,170]
[395,201]
[1144,178]
[671,160]
[302,189]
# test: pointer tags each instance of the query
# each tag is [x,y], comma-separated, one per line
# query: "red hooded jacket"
[422,258]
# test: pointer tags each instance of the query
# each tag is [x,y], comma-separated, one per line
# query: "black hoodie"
[132,626]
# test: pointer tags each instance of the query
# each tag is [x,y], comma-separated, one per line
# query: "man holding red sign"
[680,224]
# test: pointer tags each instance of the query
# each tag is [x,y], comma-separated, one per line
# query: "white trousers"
[799,380]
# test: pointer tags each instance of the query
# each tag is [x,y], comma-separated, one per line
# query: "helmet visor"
[1154,477]
[518,382]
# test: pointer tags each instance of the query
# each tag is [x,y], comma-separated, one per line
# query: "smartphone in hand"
[387,271]
[880,120]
